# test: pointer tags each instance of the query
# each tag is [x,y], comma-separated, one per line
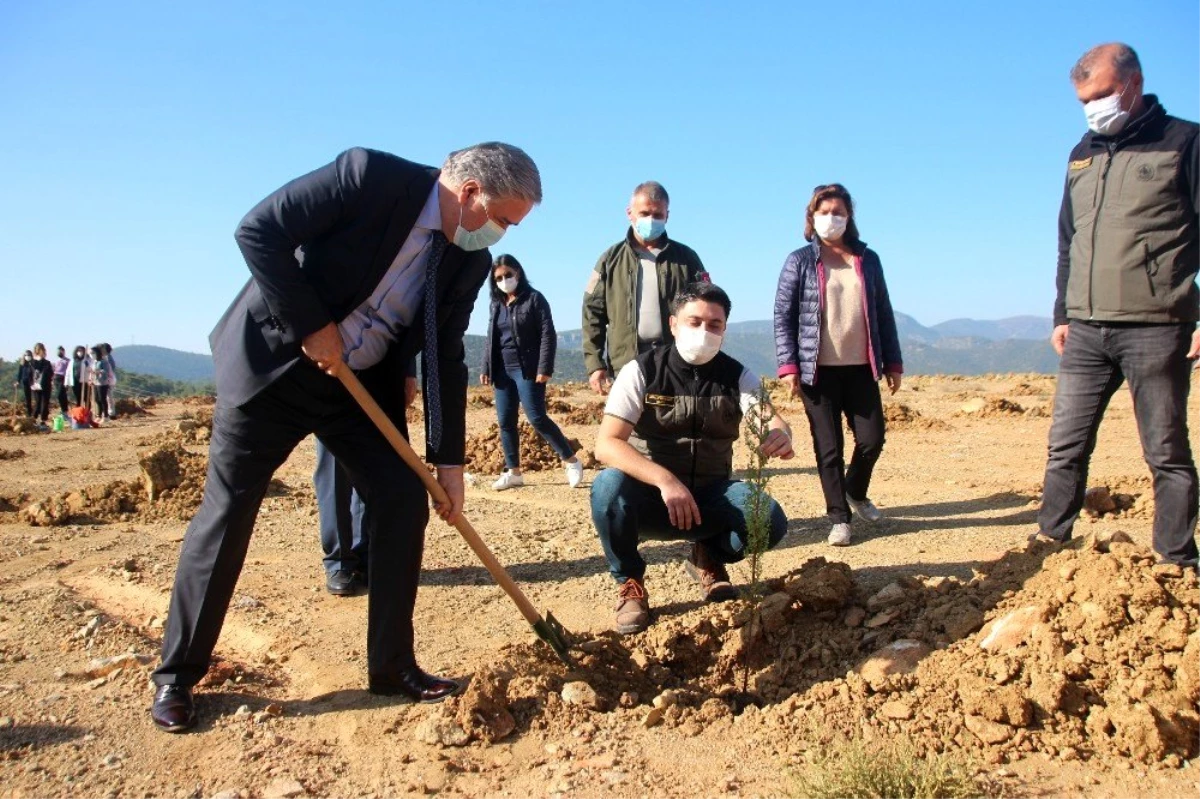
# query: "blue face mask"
[648,228]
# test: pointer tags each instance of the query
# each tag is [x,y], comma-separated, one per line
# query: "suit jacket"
[316,249]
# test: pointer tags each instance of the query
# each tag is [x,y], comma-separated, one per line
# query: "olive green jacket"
[610,315]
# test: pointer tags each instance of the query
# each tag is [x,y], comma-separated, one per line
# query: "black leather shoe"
[341,583]
[173,709]
[416,685]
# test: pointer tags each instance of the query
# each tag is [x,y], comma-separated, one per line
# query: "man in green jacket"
[626,303]
[1127,305]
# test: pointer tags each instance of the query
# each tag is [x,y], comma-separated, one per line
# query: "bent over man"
[361,264]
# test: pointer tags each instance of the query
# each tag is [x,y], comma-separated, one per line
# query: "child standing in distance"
[24,373]
[60,381]
[40,376]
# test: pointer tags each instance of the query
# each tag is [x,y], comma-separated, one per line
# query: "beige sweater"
[843,325]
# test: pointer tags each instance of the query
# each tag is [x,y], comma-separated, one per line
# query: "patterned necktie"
[433,393]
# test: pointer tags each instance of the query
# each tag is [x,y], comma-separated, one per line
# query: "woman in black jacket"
[518,360]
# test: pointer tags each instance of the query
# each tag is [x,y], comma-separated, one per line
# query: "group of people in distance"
[372,261]
[74,383]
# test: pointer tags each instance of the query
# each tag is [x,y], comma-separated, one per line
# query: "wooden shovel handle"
[392,434]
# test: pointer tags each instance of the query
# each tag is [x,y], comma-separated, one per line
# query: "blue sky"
[136,135]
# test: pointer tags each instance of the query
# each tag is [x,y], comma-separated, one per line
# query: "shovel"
[548,629]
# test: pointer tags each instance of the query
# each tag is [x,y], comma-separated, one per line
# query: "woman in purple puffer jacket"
[835,337]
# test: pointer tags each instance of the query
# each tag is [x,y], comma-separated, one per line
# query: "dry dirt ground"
[1082,683]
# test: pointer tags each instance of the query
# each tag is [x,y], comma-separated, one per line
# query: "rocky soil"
[1054,671]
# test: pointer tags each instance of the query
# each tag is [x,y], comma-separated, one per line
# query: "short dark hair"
[701,290]
[1123,58]
[653,191]
[512,263]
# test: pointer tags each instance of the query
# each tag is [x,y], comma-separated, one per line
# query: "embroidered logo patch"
[1081,164]
[1145,172]
[660,400]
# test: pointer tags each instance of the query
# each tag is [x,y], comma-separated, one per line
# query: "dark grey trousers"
[1095,361]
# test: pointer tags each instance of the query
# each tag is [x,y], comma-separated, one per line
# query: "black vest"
[691,415]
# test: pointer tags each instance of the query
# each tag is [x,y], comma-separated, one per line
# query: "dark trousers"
[852,392]
[340,511]
[60,389]
[1095,361]
[248,444]
[28,401]
[512,391]
[77,390]
[41,404]
[626,511]
[101,397]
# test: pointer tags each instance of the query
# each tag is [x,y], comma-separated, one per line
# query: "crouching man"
[670,423]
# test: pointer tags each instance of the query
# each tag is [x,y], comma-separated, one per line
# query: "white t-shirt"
[627,397]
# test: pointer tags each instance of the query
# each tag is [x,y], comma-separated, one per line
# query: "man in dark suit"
[361,264]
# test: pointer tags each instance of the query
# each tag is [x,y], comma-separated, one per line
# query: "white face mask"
[696,345]
[507,284]
[488,234]
[1105,116]
[830,227]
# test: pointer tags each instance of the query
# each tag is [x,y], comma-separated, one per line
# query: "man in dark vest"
[1127,304]
[361,265]
[670,423]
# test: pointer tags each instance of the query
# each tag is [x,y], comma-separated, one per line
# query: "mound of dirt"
[200,400]
[477,399]
[898,416]
[19,426]
[171,487]
[990,407]
[194,427]
[131,407]
[563,411]
[11,454]
[1132,498]
[485,456]
[1090,651]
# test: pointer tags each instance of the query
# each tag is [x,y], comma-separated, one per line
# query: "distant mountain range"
[958,346]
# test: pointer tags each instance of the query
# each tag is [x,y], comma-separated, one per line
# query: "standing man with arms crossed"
[359,265]
[1127,305]
[627,300]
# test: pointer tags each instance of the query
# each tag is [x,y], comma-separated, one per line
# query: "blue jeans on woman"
[626,511]
[512,391]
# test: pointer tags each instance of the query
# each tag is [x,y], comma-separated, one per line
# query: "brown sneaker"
[715,585]
[633,607]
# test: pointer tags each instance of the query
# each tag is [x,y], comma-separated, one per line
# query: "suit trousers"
[248,444]
[340,512]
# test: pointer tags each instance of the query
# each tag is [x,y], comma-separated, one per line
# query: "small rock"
[273,709]
[973,405]
[580,694]
[246,602]
[283,788]
[228,793]
[438,730]
[854,617]
[665,700]
[896,709]
[628,699]
[883,617]
[653,718]
[1011,630]
[243,710]
[890,594]
[1098,500]
[990,732]
[6,722]
[898,657]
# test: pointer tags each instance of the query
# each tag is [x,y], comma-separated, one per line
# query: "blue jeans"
[626,511]
[340,510]
[513,390]
[1095,361]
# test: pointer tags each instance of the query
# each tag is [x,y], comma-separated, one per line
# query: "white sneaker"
[508,480]
[839,536]
[574,473]
[865,509]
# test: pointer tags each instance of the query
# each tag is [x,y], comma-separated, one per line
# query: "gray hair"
[502,171]
[1121,56]
[653,191]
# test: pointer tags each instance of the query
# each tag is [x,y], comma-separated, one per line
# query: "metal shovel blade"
[554,634]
